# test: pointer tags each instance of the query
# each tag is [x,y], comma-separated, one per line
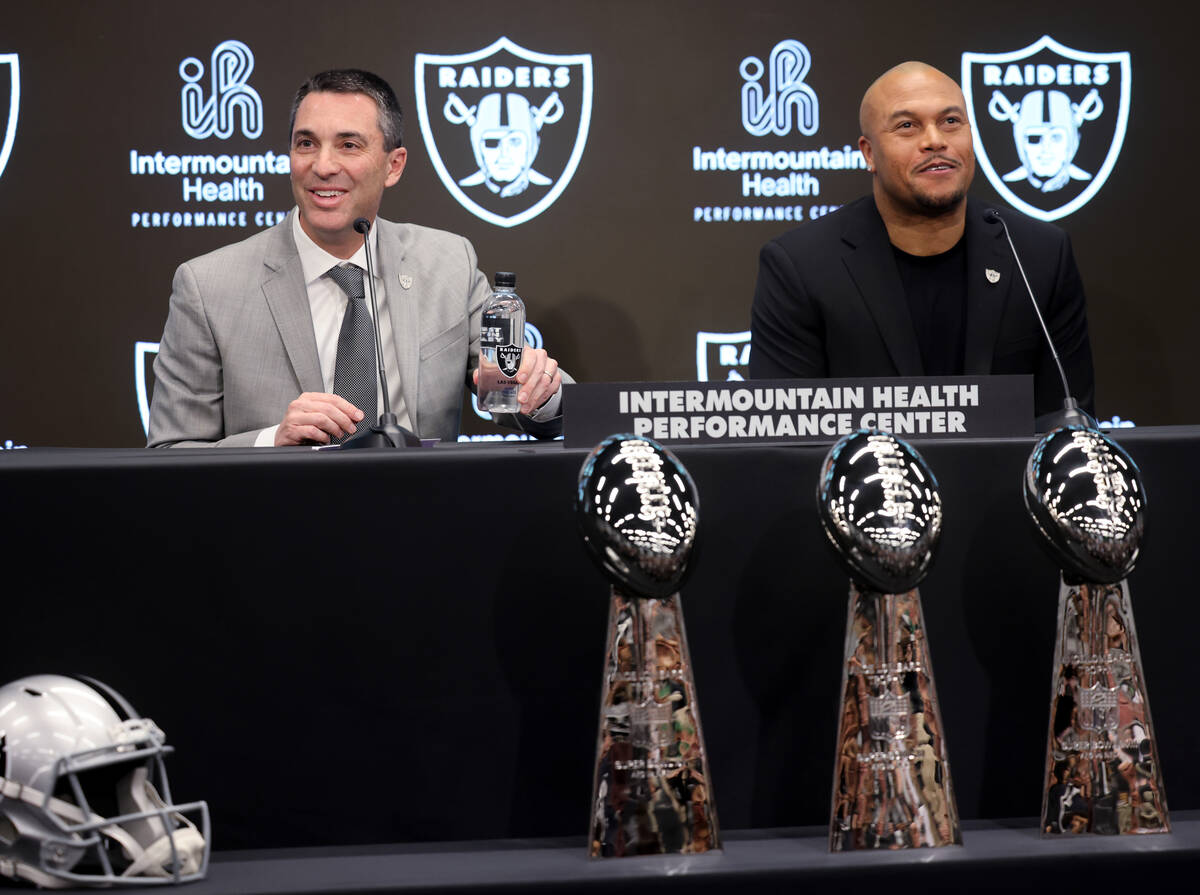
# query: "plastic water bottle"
[501,342]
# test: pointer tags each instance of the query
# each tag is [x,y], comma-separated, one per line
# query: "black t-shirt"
[935,289]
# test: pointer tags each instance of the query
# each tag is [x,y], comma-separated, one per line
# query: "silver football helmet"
[80,799]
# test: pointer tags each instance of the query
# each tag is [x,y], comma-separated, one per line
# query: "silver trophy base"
[1102,769]
[891,786]
[652,793]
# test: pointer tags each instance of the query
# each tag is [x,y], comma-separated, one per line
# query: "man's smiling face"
[917,138]
[340,167]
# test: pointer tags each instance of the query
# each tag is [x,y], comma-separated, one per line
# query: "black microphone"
[387,433]
[1071,414]
[363,226]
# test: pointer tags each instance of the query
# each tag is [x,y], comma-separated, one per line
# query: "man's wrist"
[266,438]
[549,408]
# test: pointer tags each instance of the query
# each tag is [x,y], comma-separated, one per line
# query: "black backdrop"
[618,275]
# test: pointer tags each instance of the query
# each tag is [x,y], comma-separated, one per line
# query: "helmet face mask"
[505,132]
[504,138]
[1044,149]
[84,796]
[505,154]
[1046,133]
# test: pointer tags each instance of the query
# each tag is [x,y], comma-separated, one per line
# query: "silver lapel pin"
[406,280]
[993,276]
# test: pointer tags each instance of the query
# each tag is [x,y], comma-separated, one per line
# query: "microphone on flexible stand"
[387,432]
[1071,414]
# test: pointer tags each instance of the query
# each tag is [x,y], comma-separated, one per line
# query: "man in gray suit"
[250,346]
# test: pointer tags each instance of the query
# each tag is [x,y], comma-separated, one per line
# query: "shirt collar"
[315,261]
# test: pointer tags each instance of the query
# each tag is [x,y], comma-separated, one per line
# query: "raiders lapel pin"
[993,276]
[406,280]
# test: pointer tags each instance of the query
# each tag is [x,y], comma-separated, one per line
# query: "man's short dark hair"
[353,80]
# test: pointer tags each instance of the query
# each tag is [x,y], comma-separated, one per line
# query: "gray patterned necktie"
[354,370]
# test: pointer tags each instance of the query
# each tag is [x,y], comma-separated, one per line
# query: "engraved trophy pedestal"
[651,792]
[891,785]
[881,511]
[638,514]
[1102,770]
[1085,497]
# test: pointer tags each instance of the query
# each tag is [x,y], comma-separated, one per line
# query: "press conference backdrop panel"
[626,159]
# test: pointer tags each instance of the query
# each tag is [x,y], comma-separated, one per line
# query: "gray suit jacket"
[238,345]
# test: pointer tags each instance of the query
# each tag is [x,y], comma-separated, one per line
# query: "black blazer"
[829,303]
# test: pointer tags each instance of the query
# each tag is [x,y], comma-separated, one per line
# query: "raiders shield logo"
[10,71]
[722,356]
[508,359]
[144,354]
[505,127]
[1048,122]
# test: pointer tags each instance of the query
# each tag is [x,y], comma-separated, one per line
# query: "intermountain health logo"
[227,189]
[229,95]
[10,71]
[786,96]
[1048,122]
[505,127]
[781,177]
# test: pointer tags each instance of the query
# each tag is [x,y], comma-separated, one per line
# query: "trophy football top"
[881,509]
[1085,495]
[637,511]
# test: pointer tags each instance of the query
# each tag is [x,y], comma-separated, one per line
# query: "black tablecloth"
[388,647]
[1004,856]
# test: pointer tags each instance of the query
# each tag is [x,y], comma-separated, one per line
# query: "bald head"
[906,78]
[916,141]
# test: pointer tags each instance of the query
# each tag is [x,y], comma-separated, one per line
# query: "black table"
[996,856]
[452,694]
